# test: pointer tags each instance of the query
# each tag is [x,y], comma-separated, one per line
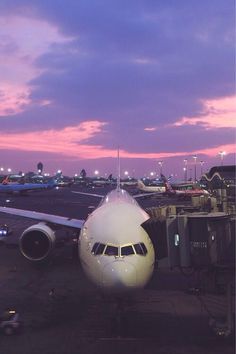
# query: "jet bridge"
[201,243]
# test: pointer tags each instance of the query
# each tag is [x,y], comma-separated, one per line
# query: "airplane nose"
[119,275]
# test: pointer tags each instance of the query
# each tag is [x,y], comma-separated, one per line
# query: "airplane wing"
[91,194]
[54,219]
[141,195]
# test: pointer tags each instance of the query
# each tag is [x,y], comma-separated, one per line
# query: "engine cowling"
[37,242]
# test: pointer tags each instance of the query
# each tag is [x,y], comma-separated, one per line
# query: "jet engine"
[37,242]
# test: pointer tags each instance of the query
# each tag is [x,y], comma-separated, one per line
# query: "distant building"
[221,177]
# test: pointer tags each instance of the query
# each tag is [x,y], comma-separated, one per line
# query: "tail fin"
[140,184]
[5,180]
[168,186]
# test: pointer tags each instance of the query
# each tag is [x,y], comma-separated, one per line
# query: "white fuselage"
[150,189]
[115,251]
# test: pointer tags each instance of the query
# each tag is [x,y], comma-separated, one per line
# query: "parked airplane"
[11,179]
[11,188]
[184,190]
[116,252]
[151,188]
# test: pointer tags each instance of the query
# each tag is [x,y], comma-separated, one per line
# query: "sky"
[80,78]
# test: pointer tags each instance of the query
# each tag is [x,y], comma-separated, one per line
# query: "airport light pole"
[185,170]
[202,163]
[160,164]
[222,154]
[195,168]
[190,174]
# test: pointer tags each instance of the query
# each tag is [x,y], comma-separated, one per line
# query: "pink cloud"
[22,40]
[218,113]
[150,129]
[212,152]
[70,142]
[13,99]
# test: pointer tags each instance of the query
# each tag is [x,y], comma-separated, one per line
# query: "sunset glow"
[70,142]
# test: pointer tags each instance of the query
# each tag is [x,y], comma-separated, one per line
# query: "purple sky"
[78,78]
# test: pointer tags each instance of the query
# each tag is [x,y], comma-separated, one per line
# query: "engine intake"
[37,242]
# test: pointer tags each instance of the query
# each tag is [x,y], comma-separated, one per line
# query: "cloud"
[217,113]
[22,40]
[13,99]
[75,142]
[159,74]
[67,141]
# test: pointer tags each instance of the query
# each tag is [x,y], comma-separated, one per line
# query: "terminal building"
[221,178]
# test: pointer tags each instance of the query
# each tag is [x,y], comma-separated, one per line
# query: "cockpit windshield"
[127,250]
[119,251]
[98,248]
[111,250]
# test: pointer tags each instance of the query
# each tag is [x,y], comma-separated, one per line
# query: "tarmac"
[164,318]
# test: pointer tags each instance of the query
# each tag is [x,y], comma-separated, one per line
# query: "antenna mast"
[118,177]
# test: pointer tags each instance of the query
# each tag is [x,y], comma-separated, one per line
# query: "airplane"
[11,179]
[115,251]
[151,188]
[184,190]
[22,188]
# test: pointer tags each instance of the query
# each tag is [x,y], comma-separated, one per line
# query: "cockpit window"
[111,251]
[140,248]
[95,246]
[127,250]
[144,248]
[98,248]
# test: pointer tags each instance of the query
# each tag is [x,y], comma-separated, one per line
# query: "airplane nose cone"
[119,275]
